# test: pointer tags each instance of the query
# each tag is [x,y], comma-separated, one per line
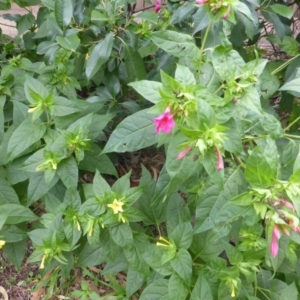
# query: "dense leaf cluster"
[85,81]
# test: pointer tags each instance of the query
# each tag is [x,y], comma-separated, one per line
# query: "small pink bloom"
[287,204]
[226,15]
[158,6]
[164,122]
[184,152]
[201,1]
[220,165]
[274,241]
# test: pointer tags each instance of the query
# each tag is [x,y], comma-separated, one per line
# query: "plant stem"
[7,25]
[284,65]
[204,41]
[292,136]
[291,124]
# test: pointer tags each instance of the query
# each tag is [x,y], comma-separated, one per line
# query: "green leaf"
[201,19]
[289,45]
[121,234]
[157,290]
[290,292]
[70,42]
[184,75]
[7,193]
[93,161]
[135,67]
[177,287]
[134,280]
[182,265]
[67,171]
[63,11]
[202,289]
[228,64]
[275,20]
[282,10]
[15,252]
[100,186]
[175,43]
[148,89]
[99,55]
[291,86]
[262,166]
[182,235]
[16,214]
[35,91]
[37,187]
[25,135]
[63,107]
[182,12]
[133,133]
[91,256]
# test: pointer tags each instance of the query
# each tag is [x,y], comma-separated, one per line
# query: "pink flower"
[274,241]
[164,122]
[226,15]
[220,165]
[158,6]
[184,152]
[201,1]
[287,204]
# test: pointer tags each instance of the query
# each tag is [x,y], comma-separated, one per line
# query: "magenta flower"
[274,241]
[220,165]
[158,6]
[164,122]
[201,1]
[287,204]
[184,152]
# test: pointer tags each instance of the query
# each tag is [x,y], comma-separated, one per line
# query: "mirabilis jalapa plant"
[221,220]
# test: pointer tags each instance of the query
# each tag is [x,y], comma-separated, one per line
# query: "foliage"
[86,81]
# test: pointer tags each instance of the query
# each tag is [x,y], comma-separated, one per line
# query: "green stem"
[291,124]
[255,138]
[292,136]
[284,65]
[219,88]
[263,293]
[204,41]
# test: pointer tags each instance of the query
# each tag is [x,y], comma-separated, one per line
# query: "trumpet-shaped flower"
[220,165]
[184,152]
[164,122]
[201,1]
[274,241]
[2,243]
[158,6]
[116,206]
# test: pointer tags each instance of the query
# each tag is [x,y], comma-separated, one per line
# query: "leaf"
[16,214]
[93,161]
[91,256]
[175,43]
[67,171]
[202,289]
[262,166]
[182,265]
[275,20]
[184,75]
[133,133]
[99,55]
[37,187]
[15,252]
[134,280]
[70,42]
[290,292]
[182,13]
[157,290]
[148,89]
[121,234]
[134,64]
[63,11]
[200,18]
[7,193]
[282,10]
[178,289]
[35,91]
[182,235]
[25,135]
[100,186]
[291,86]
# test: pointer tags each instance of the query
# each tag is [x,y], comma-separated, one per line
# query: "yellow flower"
[2,243]
[42,266]
[116,206]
